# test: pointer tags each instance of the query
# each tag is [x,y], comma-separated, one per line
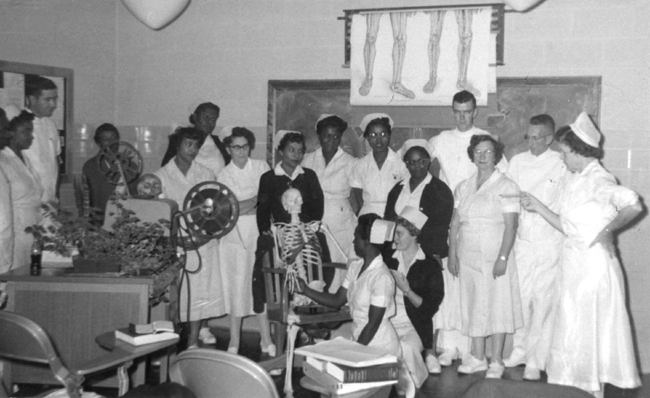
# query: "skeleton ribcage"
[290,237]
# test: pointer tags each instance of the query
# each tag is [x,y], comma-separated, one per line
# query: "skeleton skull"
[149,186]
[292,201]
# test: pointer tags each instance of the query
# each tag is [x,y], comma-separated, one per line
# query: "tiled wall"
[225,51]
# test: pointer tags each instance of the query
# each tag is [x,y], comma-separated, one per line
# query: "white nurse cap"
[372,116]
[586,130]
[382,231]
[414,216]
[280,134]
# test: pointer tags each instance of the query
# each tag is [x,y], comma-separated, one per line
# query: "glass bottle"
[37,254]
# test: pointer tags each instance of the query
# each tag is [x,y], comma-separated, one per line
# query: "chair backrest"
[213,373]
[23,339]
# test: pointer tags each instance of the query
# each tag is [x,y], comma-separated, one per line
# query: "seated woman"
[418,277]
[369,289]
[481,237]
[237,249]
[433,198]
[377,173]
[24,184]
[205,293]
[212,152]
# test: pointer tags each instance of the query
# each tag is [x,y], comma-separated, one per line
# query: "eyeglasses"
[486,152]
[417,162]
[239,147]
[382,134]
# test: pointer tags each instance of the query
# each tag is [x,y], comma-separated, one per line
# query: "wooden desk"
[74,310]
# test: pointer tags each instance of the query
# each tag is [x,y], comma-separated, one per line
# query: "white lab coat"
[26,193]
[6,224]
[592,340]
[338,215]
[537,252]
[43,155]
[206,291]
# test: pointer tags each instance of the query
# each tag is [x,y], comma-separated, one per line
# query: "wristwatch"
[504,258]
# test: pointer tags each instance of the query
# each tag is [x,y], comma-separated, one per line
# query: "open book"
[347,352]
[153,327]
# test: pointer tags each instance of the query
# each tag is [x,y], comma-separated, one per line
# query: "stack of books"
[343,366]
[146,334]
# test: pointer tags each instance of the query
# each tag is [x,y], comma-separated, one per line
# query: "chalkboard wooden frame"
[567,97]
[68,104]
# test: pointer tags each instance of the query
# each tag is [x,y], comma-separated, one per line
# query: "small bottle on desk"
[37,254]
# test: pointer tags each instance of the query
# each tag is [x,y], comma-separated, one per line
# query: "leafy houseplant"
[140,248]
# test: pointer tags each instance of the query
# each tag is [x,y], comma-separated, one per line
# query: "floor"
[449,384]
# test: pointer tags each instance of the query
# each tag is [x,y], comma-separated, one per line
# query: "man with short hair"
[450,148]
[540,172]
[41,96]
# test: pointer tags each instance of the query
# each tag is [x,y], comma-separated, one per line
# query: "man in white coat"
[41,95]
[450,148]
[6,214]
[540,172]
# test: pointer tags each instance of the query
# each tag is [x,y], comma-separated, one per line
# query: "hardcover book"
[347,352]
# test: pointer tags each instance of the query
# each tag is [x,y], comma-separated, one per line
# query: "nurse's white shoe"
[518,357]
[447,357]
[206,336]
[495,371]
[471,364]
[433,365]
[532,373]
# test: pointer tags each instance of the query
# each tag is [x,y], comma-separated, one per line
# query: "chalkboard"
[297,104]
[519,99]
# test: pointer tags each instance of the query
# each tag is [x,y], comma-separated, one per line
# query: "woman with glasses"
[237,249]
[434,199]
[334,166]
[481,237]
[377,173]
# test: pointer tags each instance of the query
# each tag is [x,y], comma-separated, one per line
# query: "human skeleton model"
[300,251]
[299,247]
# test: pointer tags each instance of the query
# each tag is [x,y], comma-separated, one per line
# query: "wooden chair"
[213,373]
[278,301]
[24,340]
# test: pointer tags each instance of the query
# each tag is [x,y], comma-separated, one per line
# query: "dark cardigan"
[425,279]
[437,203]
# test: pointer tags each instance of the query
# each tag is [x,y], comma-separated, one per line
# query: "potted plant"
[131,247]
